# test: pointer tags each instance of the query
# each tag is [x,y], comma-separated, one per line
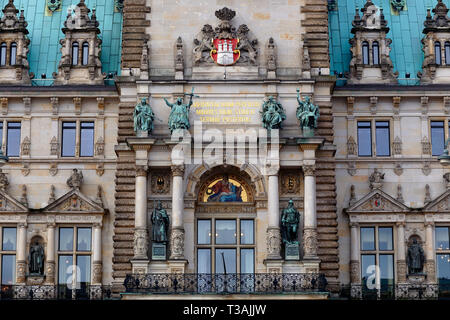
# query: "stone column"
[310,220]
[140,218]
[401,253]
[50,276]
[354,252]
[97,255]
[273,208]
[177,233]
[21,264]
[429,253]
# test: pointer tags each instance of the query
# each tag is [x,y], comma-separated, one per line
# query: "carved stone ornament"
[351,169]
[306,63]
[352,195]
[369,29]
[13,29]
[75,180]
[376,179]
[52,196]
[400,194]
[50,272]
[351,146]
[177,244]
[160,183]
[141,171]
[426,146]
[118,5]
[100,169]
[290,183]
[177,170]
[24,198]
[53,5]
[79,28]
[426,170]
[100,147]
[310,242]
[308,170]
[427,193]
[397,146]
[54,146]
[354,272]
[53,169]
[401,271]
[271,55]
[97,271]
[145,60]
[25,169]
[273,243]
[398,5]
[3,181]
[224,45]
[140,246]
[25,146]
[446,177]
[179,55]
[398,170]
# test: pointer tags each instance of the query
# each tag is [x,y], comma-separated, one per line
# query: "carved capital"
[177,170]
[77,104]
[177,244]
[308,170]
[141,171]
[350,104]
[396,103]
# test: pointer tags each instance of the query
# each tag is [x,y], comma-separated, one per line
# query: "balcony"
[223,284]
[55,292]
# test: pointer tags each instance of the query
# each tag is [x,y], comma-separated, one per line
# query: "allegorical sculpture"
[179,116]
[75,180]
[415,258]
[376,179]
[224,191]
[272,114]
[36,259]
[160,224]
[290,218]
[143,117]
[308,114]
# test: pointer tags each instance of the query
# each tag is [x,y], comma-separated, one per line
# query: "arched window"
[437,52]
[75,49]
[85,60]
[3,54]
[13,54]
[365,52]
[447,53]
[375,53]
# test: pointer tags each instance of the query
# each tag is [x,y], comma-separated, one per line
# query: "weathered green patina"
[290,219]
[272,114]
[308,114]
[160,224]
[179,116]
[143,116]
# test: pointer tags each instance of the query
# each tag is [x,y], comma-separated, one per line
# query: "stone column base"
[273,243]
[50,269]
[177,266]
[311,265]
[355,291]
[412,291]
[139,266]
[401,271]
[274,266]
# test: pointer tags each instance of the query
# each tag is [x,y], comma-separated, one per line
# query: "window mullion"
[77,138]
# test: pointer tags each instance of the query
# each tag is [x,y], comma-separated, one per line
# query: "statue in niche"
[307,112]
[143,116]
[36,259]
[160,224]
[179,116]
[272,114]
[290,219]
[224,191]
[415,258]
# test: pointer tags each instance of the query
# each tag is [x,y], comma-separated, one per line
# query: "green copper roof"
[45,32]
[405,31]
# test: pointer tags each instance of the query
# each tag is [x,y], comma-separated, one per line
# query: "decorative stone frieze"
[160,182]
[141,171]
[306,63]
[373,105]
[426,146]
[13,32]
[396,104]
[50,272]
[100,169]
[54,146]
[145,60]
[81,49]
[370,48]
[350,105]
[97,271]
[401,271]
[25,169]
[53,170]
[290,182]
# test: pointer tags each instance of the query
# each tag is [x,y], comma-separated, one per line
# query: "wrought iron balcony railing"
[235,283]
[55,292]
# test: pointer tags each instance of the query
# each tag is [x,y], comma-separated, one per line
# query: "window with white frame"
[77,138]
[374,132]
[10,137]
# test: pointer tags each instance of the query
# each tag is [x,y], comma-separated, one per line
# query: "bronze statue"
[272,114]
[179,116]
[36,259]
[143,116]
[289,223]
[307,113]
[415,258]
[160,224]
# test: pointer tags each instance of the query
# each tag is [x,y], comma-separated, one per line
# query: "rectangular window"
[65,269]
[442,238]
[368,238]
[437,137]
[9,239]
[247,236]
[386,270]
[385,242]
[367,269]
[84,239]
[65,239]
[203,231]
[8,269]
[69,130]
[13,139]
[84,267]
[226,259]
[382,138]
[87,139]
[364,139]
[204,261]
[247,261]
[225,231]
[443,269]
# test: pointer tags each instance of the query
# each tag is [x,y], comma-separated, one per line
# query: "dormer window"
[3,54]
[447,53]
[13,54]
[375,53]
[85,59]
[437,52]
[365,52]
[75,50]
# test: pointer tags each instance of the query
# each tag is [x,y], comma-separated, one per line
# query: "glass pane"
[437,137]
[367,267]
[364,139]
[247,236]
[385,239]
[65,270]
[84,239]
[382,138]
[75,48]
[13,54]
[365,53]
[8,269]
[376,54]
[226,258]
[85,53]
[204,231]
[442,238]
[204,261]
[9,239]
[84,267]
[225,231]
[447,53]
[437,52]
[247,261]
[66,239]
[1,132]
[87,139]
[13,139]
[3,54]
[68,139]
[443,268]
[386,269]
[368,238]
